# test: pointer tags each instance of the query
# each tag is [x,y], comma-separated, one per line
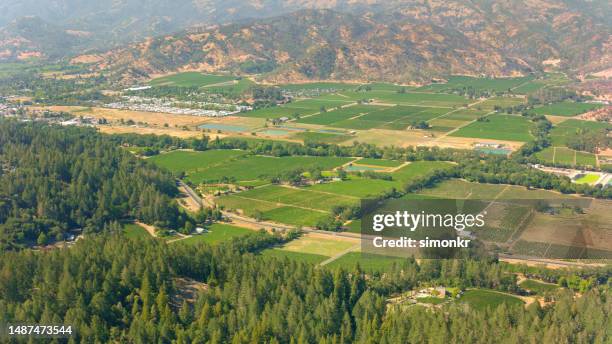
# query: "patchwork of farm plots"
[305,206]
[218,165]
[559,153]
[334,253]
[499,127]
[567,157]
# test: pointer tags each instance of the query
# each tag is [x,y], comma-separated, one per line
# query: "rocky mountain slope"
[396,41]
[399,40]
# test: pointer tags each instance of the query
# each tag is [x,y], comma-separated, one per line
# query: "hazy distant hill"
[400,41]
[109,22]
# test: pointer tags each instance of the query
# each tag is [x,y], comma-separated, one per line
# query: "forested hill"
[116,290]
[56,179]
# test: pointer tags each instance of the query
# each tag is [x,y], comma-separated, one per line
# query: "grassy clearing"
[132,231]
[314,244]
[538,287]
[190,79]
[566,108]
[498,127]
[217,233]
[367,262]
[481,299]
[298,256]
[431,300]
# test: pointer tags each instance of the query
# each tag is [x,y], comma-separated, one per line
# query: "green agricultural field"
[301,197]
[294,216]
[310,136]
[277,112]
[217,233]
[481,84]
[562,131]
[407,98]
[504,102]
[480,299]
[589,178]
[354,226]
[388,87]
[357,124]
[316,104]
[567,156]
[538,287]
[187,161]
[300,107]
[367,262]
[190,79]
[395,118]
[269,211]
[132,231]
[530,87]
[234,87]
[337,115]
[253,167]
[498,127]
[357,187]
[547,154]
[464,115]
[379,162]
[321,86]
[585,159]
[425,99]
[308,258]
[566,108]
[460,189]
[364,188]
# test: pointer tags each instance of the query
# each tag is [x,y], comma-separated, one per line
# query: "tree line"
[55,179]
[113,289]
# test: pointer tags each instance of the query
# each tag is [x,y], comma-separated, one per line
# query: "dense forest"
[54,180]
[112,289]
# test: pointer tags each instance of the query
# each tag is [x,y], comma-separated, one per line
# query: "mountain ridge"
[326,44]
